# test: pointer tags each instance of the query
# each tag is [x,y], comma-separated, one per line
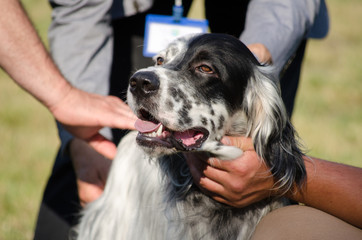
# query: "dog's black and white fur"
[202,88]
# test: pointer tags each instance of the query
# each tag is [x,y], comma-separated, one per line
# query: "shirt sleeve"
[280,25]
[81,44]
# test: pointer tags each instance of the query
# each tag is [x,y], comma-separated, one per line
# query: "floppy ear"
[273,135]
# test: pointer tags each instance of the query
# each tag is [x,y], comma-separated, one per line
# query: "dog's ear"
[274,137]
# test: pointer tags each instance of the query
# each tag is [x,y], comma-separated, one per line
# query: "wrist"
[59,91]
[300,193]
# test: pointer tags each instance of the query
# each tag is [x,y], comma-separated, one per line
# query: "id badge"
[160,30]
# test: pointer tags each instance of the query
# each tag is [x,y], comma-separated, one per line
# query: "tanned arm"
[333,188]
[24,57]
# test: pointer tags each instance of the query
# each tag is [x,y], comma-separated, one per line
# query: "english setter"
[201,88]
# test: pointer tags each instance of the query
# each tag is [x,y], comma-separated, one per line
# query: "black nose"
[142,83]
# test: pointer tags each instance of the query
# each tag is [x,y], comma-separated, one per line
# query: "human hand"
[91,169]
[261,52]
[238,182]
[84,114]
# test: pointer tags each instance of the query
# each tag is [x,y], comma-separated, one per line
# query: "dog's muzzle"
[153,133]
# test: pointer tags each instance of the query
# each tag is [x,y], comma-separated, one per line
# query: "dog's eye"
[159,61]
[205,69]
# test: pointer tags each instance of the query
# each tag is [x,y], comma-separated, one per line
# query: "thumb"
[244,143]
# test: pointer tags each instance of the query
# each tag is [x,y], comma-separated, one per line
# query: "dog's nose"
[144,83]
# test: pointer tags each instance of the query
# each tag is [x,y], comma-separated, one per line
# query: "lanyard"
[177,11]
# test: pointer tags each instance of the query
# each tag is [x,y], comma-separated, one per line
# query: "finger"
[208,179]
[120,115]
[244,143]
[82,132]
[88,192]
[238,203]
[203,168]
[103,146]
[207,185]
[198,168]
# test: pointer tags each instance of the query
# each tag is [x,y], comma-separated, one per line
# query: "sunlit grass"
[27,149]
[328,116]
[329,105]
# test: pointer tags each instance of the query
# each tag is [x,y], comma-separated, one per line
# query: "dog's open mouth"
[152,133]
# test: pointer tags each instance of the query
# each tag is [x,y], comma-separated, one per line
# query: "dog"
[201,88]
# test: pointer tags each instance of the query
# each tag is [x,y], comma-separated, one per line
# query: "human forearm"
[24,57]
[333,188]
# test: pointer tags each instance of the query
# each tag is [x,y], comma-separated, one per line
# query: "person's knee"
[302,222]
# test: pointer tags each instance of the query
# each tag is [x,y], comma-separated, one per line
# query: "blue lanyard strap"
[177,10]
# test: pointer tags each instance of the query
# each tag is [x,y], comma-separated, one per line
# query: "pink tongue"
[146,126]
[188,137]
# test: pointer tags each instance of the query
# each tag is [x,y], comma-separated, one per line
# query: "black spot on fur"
[174,93]
[197,101]
[221,122]
[169,104]
[177,94]
[187,105]
[188,120]
[212,125]
[184,113]
[204,121]
[181,122]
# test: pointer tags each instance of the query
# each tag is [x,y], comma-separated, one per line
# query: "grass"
[28,146]
[328,116]
[329,105]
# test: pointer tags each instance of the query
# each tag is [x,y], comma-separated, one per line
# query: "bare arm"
[331,187]
[24,57]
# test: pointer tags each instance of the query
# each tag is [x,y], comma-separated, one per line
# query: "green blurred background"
[328,114]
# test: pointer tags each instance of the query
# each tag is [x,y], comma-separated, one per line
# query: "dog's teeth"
[157,133]
[159,130]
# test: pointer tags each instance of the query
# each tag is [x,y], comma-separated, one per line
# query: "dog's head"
[204,87]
